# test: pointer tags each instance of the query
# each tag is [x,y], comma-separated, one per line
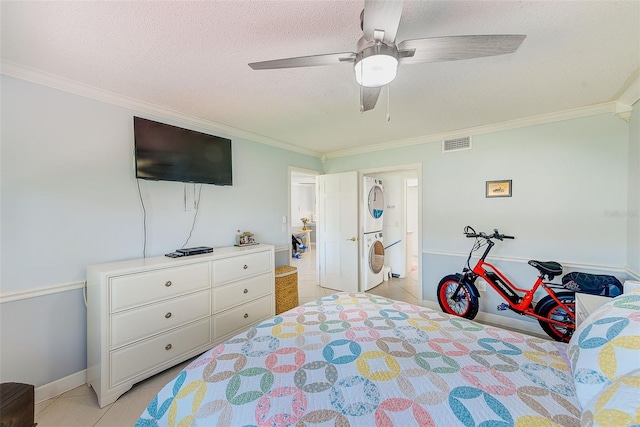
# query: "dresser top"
[151,263]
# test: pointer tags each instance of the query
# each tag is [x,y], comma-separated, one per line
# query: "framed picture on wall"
[498,188]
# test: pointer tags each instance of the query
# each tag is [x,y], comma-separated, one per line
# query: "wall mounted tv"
[169,153]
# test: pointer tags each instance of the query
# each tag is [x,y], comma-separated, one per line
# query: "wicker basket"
[286,288]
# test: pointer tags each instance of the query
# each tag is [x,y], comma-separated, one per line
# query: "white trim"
[410,167]
[571,264]
[22,72]
[518,325]
[633,274]
[63,385]
[282,249]
[632,94]
[38,292]
[64,287]
[592,110]
[623,111]
[51,80]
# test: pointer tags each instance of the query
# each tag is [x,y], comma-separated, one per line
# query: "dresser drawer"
[142,288]
[133,360]
[227,270]
[239,318]
[238,293]
[133,325]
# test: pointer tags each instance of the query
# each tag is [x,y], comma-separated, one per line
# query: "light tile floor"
[399,289]
[79,407]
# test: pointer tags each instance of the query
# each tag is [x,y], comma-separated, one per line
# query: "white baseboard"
[510,323]
[60,386]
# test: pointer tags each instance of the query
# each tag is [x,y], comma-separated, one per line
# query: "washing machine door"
[376,257]
[375,202]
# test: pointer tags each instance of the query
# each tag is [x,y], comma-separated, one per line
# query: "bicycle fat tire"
[548,308]
[467,304]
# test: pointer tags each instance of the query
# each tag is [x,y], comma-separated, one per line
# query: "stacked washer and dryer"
[373,251]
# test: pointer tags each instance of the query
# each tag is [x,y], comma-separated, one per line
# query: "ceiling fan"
[378,55]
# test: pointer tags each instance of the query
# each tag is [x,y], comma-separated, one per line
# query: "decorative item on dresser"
[245,239]
[146,315]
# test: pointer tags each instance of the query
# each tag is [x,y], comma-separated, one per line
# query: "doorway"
[401,231]
[404,194]
[303,254]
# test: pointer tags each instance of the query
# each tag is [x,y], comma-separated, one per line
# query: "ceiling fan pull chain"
[361,94]
[388,102]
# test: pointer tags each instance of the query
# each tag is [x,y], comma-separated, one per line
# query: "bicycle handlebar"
[470,232]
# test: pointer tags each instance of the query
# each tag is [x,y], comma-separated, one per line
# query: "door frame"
[289,227]
[417,167]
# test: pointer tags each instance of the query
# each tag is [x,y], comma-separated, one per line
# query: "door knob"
[353,239]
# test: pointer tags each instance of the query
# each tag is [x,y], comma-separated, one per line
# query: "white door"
[337,235]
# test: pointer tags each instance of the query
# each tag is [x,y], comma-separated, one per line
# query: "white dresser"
[146,315]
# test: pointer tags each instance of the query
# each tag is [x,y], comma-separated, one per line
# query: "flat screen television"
[169,153]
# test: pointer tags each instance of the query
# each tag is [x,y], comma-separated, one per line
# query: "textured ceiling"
[191,57]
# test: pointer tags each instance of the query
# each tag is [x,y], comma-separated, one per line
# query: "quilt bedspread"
[363,360]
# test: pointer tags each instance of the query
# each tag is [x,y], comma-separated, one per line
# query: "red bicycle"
[458,294]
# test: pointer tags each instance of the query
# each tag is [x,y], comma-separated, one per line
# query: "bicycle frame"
[506,289]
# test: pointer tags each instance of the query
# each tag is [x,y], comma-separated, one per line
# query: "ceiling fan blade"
[382,15]
[453,48]
[305,61]
[368,97]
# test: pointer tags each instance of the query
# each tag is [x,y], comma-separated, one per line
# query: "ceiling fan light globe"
[376,70]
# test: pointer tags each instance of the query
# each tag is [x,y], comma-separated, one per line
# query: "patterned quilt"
[362,360]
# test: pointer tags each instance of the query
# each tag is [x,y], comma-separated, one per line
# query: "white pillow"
[616,405]
[606,346]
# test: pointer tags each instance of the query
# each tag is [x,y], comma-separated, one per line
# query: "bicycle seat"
[550,268]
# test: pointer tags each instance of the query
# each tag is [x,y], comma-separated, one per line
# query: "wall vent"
[456,144]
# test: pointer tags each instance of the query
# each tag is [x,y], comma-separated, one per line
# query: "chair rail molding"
[38,292]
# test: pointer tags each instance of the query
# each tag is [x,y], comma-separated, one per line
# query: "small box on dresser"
[147,315]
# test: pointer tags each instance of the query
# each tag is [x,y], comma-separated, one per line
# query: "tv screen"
[169,153]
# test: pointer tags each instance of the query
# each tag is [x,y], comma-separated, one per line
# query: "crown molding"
[624,105]
[592,110]
[32,75]
[621,107]
[632,94]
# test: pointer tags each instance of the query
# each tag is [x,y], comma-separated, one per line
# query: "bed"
[363,360]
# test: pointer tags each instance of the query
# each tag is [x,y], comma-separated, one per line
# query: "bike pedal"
[503,307]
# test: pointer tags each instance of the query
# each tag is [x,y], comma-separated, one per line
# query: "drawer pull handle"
[168,283]
[246,315]
[246,291]
[168,347]
[168,315]
[245,267]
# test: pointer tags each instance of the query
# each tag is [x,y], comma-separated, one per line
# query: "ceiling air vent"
[456,144]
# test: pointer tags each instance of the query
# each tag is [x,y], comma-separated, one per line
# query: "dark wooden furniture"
[17,405]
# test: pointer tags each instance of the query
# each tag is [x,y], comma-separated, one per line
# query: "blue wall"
[70,199]
[568,177]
